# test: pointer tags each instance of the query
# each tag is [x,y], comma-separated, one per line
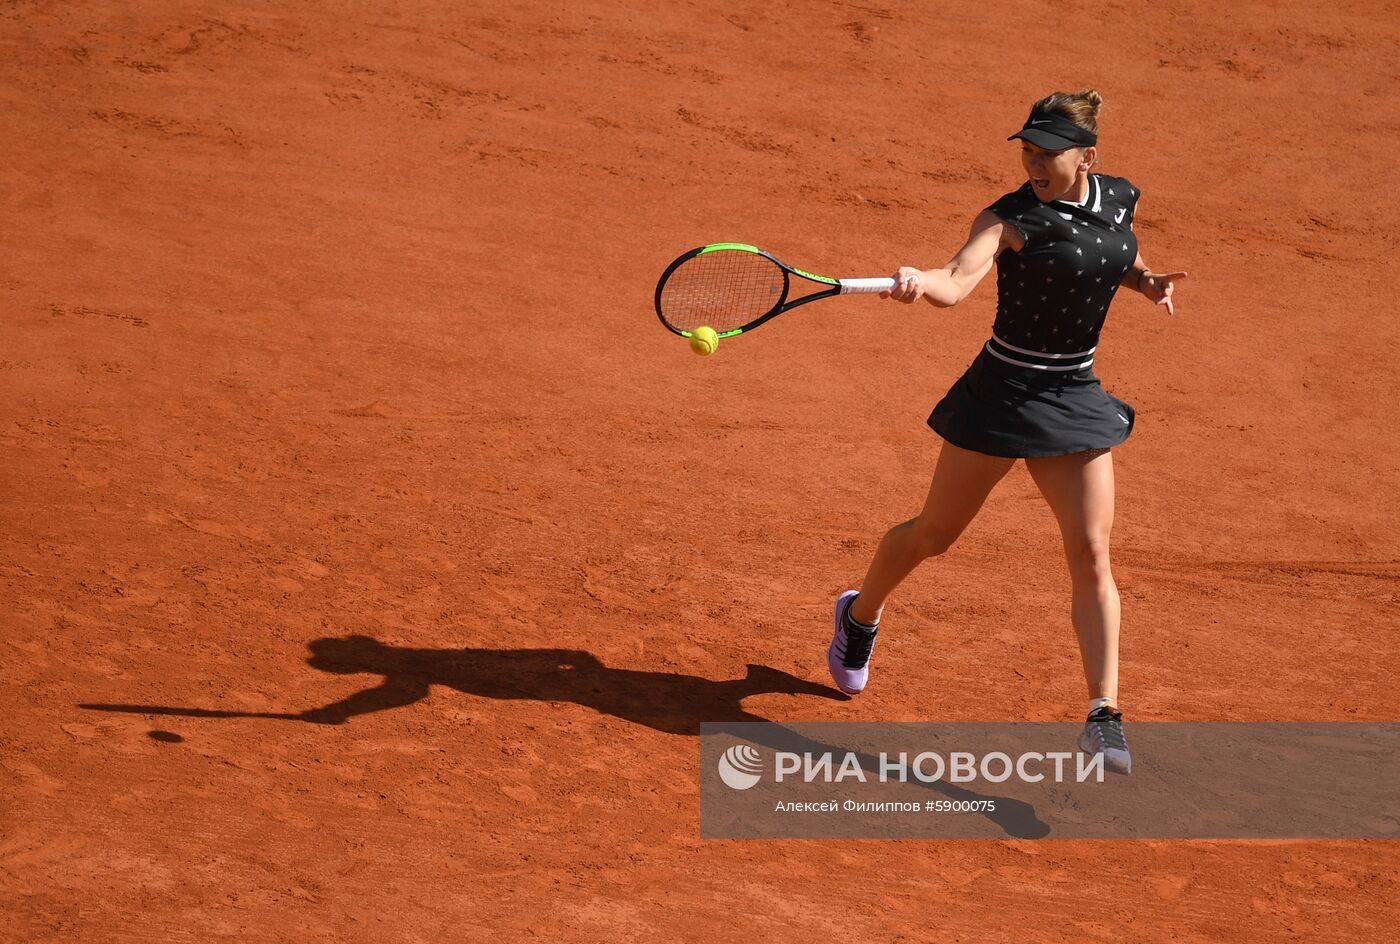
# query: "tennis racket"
[733,288]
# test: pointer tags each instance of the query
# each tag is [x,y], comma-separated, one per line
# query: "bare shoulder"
[989,225]
[985,241]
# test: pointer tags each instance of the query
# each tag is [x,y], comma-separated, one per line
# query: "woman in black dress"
[1063,244]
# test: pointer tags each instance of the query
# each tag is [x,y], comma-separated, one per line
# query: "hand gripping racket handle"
[865,286]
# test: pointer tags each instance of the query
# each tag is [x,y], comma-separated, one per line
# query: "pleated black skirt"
[1001,409]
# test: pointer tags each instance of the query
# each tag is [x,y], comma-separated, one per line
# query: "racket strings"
[724,289]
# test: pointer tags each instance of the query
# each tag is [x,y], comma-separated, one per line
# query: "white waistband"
[1022,350]
[1011,360]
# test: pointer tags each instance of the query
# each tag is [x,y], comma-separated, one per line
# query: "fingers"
[907,287]
[1166,298]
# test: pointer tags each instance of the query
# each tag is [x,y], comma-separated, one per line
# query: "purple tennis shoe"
[848,656]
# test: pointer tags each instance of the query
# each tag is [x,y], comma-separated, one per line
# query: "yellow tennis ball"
[703,341]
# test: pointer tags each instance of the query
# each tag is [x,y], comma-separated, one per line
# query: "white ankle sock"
[1097,703]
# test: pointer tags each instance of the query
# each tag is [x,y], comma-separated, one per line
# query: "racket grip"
[865,286]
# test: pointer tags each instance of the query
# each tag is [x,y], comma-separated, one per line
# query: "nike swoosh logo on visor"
[1041,121]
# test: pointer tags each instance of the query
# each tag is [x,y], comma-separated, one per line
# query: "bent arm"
[1135,276]
[1155,286]
[947,285]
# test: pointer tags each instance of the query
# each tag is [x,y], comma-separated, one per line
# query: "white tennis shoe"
[848,656]
[1103,734]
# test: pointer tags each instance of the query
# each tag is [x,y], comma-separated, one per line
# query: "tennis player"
[1063,245]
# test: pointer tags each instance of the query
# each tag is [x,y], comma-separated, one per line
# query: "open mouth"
[1040,183]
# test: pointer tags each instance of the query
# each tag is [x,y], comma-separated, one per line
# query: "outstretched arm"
[944,287]
[1156,286]
[395,692]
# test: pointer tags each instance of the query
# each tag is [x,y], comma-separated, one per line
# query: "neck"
[1079,192]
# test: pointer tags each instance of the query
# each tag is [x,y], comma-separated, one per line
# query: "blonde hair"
[1082,107]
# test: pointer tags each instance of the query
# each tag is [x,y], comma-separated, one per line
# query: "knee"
[1088,559]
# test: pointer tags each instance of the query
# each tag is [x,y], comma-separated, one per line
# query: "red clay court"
[337,422]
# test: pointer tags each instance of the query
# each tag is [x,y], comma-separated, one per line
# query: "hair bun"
[1082,107]
[1091,96]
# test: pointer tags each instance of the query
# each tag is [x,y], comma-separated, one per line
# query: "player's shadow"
[665,701]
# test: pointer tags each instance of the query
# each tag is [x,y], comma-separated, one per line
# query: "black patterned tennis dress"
[1032,391]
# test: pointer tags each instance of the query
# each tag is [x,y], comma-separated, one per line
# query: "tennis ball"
[703,341]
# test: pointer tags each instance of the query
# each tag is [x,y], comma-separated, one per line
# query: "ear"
[1090,158]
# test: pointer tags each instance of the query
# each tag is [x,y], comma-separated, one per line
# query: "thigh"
[1079,490]
[962,480]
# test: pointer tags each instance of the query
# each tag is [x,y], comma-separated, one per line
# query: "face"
[1055,175]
